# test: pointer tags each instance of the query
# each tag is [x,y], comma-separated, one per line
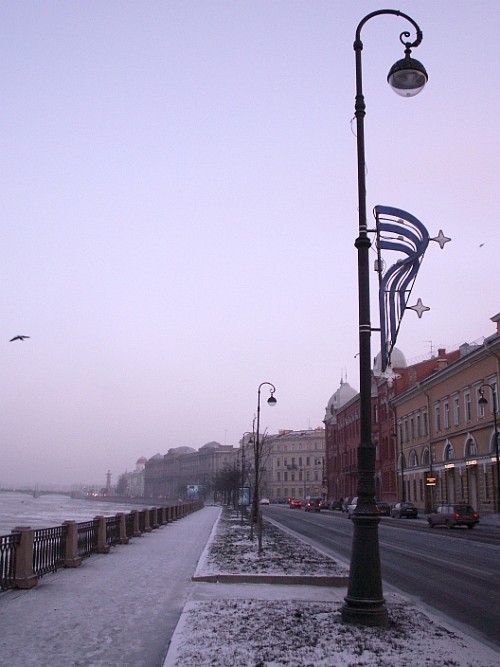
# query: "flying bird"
[18,338]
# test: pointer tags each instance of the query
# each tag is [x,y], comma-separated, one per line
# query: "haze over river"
[21,509]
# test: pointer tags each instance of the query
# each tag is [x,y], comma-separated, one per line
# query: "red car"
[295,503]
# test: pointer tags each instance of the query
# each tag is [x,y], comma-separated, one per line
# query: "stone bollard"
[102,545]
[123,528]
[25,577]
[147,524]
[71,557]
[137,530]
[154,518]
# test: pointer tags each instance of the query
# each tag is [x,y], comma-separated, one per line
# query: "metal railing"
[27,554]
[87,538]
[49,546]
[8,547]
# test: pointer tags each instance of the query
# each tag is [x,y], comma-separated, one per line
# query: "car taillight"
[457,515]
[475,515]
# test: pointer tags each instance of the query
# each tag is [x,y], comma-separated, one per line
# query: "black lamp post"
[256,493]
[484,402]
[364,602]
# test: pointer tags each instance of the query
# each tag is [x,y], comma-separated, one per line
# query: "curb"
[283,579]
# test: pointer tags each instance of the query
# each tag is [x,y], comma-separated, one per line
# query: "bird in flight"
[18,338]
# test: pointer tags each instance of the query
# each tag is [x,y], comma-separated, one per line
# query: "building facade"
[294,465]
[446,438]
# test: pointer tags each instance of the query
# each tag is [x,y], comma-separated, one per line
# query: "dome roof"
[142,460]
[398,360]
[342,396]
[211,445]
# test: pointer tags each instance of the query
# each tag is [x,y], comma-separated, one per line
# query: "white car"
[265,501]
[351,507]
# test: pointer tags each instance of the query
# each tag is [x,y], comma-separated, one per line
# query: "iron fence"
[8,547]
[87,538]
[49,546]
[112,530]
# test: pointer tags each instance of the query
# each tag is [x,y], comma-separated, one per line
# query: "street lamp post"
[484,402]
[364,602]
[256,499]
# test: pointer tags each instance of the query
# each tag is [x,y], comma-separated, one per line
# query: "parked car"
[453,515]
[346,503]
[352,506]
[384,508]
[265,501]
[336,505]
[295,504]
[312,504]
[406,510]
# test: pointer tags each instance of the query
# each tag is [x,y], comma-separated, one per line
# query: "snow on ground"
[298,628]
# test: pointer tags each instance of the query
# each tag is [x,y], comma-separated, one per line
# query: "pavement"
[116,609]
[123,608]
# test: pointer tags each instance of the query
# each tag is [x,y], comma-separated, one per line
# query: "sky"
[179,208]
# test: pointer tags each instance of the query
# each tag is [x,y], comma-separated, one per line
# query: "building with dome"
[434,441]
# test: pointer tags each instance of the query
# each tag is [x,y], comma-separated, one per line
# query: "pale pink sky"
[178,203]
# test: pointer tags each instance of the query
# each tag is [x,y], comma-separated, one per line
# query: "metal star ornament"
[441,239]
[419,308]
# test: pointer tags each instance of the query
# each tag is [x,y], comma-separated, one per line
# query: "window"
[437,417]
[425,417]
[419,425]
[426,457]
[456,410]
[412,459]
[405,426]
[447,414]
[470,448]
[449,452]
[412,428]
[468,406]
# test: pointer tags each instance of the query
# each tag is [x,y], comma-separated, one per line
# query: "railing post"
[154,517]
[71,557]
[147,525]
[137,530]
[123,528]
[163,515]
[25,577]
[102,545]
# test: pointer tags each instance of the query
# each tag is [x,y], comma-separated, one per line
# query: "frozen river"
[21,509]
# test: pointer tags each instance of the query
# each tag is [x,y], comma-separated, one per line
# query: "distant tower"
[108,483]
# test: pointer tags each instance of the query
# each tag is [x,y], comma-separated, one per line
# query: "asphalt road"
[455,572]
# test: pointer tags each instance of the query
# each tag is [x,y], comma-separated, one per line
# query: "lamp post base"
[364,602]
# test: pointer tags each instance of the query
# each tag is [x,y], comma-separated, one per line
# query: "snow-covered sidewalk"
[274,625]
[118,609]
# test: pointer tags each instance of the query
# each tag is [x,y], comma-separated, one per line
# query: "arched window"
[449,452]
[412,459]
[401,462]
[470,448]
[426,458]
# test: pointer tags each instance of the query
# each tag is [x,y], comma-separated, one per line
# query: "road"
[454,571]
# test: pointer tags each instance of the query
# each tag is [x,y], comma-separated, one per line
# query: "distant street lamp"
[256,493]
[364,602]
[484,402]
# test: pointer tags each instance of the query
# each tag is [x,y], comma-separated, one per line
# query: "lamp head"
[271,400]
[407,77]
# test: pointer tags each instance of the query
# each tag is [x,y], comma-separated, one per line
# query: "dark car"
[453,515]
[406,510]
[384,509]
[295,504]
[336,505]
[313,504]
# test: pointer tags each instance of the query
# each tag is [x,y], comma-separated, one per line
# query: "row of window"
[294,463]
[297,477]
[451,411]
